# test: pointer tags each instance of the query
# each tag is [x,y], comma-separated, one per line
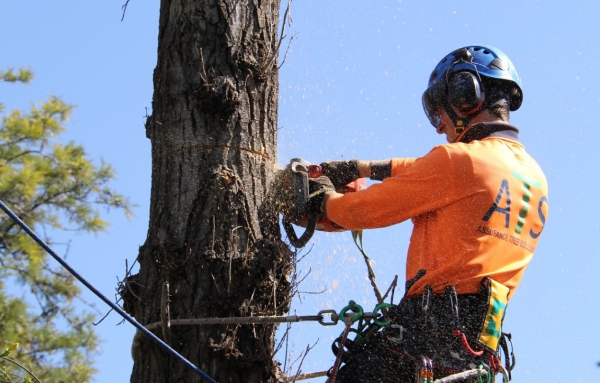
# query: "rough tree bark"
[212,238]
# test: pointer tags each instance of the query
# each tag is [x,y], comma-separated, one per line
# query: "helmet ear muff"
[465,93]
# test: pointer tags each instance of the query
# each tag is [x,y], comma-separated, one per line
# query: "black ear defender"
[464,88]
[465,92]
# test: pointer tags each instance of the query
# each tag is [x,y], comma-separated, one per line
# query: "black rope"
[113,306]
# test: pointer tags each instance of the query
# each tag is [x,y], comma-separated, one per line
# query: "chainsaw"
[293,197]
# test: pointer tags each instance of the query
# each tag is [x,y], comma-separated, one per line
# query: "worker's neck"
[485,116]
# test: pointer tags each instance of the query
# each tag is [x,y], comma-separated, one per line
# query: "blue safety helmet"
[462,79]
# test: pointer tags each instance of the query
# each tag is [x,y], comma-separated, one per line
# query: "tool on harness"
[426,371]
[293,195]
[491,300]
[451,294]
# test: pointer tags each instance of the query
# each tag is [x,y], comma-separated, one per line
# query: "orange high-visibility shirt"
[478,210]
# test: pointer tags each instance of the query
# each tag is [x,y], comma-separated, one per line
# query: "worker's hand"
[341,173]
[319,190]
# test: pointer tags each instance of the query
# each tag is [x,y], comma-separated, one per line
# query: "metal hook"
[334,317]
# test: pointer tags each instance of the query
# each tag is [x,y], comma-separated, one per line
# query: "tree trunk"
[212,241]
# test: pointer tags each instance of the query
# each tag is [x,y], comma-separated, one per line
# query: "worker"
[478,205]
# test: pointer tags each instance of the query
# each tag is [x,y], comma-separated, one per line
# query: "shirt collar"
[490,129]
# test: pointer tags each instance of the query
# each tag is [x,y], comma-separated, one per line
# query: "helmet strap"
[460,123]
[461,131]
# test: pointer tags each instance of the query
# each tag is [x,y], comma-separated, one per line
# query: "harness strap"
[408,284]
[510,359]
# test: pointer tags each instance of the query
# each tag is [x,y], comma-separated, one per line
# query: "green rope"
[489,375]
[357,236]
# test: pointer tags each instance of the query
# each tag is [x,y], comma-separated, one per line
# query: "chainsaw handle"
[306,236]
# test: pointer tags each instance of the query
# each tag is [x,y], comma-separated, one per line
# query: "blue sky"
[350,88]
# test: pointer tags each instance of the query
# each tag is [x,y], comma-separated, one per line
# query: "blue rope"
[113,306]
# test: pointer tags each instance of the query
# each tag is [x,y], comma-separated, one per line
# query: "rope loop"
[354,308]
[381,307]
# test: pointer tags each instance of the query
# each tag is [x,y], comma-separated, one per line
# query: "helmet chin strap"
[460,123]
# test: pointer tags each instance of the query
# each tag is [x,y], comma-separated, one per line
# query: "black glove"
[319,189]
[341,173]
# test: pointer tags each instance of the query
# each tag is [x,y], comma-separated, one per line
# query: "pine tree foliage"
[52,186]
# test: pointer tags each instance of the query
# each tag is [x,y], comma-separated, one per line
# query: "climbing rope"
[113,306]
[357,237]
[489,376]
[338,360]
[462,376]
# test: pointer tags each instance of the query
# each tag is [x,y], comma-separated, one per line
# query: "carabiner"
[505,375]
[426,298]
[451,293]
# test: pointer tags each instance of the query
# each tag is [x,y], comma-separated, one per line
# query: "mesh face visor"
[432,102]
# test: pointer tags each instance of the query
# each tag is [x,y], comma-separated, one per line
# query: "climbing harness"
[113,306]
[352,341]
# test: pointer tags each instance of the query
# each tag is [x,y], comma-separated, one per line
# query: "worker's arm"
[382,169]
[342,173]
[415,186]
